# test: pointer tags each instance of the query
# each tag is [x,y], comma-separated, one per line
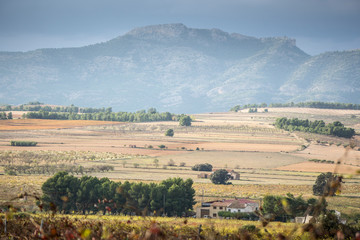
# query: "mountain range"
[175,68]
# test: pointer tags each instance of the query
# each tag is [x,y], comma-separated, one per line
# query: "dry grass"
[36,124]
[320,167]
[227,159]
[244,140]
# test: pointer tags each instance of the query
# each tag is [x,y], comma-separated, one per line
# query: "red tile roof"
[223,203]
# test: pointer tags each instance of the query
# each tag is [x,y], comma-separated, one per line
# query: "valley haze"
[176,68]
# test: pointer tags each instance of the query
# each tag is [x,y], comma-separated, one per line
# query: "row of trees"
[23,143]
[37,106]
[140,116]
[172,197]
[52,169]
[318,126]
[3,116]
[325,105]
[255,106]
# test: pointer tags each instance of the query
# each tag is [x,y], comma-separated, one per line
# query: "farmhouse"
[243,205]
[212,209]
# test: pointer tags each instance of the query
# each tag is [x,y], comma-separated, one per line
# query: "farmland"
[269,160]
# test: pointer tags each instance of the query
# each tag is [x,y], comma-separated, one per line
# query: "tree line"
[311,104]
[3,116]
[139,116]
[318,126]
[37,106]
[23,143]
[66,193]
[52,169]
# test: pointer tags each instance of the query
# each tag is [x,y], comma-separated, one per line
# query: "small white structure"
[243,205]
[212,209]
[303,220]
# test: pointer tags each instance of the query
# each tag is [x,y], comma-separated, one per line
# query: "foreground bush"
[40,226]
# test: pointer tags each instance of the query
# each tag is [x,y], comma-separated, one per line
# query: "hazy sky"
[317,25]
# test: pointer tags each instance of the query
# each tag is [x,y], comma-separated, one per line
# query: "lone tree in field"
[169,133]
[326,184]
[185,121]
[220,176]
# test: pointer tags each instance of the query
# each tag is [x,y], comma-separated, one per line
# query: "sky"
[317,25]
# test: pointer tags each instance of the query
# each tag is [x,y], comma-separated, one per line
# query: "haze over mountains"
[179,69]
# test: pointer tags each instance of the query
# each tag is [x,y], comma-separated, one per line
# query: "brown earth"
[321,167]
[333,153]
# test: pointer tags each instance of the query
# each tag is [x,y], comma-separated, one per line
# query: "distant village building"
[212,209]
[204,175]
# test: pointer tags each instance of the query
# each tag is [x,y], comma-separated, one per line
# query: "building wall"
[201,212]
[250,207]
[214,211]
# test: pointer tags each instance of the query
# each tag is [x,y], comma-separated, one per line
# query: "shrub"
[23,143]
[10,172]
[303,147]
[169,132]
[171,163]
[202,167]
[162,146]
[185,121]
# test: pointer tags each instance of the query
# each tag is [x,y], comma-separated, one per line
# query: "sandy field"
[322,167]
[333,153]
[232,140]
[36,124]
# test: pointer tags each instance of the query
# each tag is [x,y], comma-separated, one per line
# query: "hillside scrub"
[318,126]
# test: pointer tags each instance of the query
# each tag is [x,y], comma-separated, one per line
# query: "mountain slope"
[175,68]
[332,76]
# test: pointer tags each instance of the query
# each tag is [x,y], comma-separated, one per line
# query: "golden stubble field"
[270,161]
[226,140]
